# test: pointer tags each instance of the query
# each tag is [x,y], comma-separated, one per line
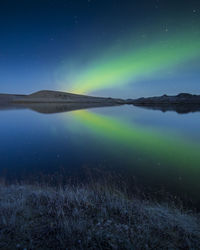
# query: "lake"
[158,150]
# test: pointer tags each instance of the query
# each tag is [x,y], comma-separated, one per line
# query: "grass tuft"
[90,217]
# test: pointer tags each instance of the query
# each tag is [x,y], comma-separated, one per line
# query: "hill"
[49,96]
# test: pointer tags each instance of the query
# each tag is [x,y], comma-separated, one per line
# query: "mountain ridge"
[51,96]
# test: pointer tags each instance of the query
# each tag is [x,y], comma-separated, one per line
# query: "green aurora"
[168,147]
[123,66]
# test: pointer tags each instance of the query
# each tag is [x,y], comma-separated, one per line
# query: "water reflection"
[178,108]
[167,147]
[159,149]
[51,108]
[160,159]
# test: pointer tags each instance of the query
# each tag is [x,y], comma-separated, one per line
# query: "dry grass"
[90,217]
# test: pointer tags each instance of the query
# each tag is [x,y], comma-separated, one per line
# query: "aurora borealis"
[168,146]
[166,155]
[107,48]
[125,67]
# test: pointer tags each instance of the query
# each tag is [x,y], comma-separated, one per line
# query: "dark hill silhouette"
[47,101]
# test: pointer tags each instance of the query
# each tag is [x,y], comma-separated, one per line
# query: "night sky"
[113,48]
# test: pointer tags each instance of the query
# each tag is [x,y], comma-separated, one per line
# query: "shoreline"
[49,102]
[91,217]
[48,96]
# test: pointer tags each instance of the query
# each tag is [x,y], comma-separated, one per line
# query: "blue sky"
[47,44]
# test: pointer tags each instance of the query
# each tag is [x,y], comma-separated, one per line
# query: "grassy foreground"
[90,217]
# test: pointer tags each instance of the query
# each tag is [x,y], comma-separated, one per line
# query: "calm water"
[161,150]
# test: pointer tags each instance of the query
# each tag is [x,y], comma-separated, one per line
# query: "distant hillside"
[57,94]
[181,103]
[182,98]
[48,96]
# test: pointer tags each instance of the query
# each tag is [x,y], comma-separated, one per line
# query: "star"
[75,19]
[166,28]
